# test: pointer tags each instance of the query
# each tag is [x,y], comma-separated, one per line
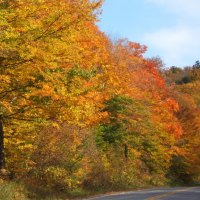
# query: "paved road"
[178,193]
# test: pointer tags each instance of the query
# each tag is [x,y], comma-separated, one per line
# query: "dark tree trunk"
[2,156]
[126,151]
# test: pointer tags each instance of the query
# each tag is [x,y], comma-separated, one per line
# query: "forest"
[81,113]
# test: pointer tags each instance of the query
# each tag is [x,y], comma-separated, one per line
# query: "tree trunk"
[126,151]
[2,156]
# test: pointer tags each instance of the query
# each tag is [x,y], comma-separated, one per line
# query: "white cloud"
[175,44]
[181,42]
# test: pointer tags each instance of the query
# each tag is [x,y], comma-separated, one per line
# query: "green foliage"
[12,191]
[115,130]
[178,172]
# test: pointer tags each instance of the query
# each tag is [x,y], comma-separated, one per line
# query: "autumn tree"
[35,60]
[139,133]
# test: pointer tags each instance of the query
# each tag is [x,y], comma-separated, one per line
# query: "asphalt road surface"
[178,193]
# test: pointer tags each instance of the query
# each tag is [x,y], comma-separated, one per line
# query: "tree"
[197,65]
[35,58]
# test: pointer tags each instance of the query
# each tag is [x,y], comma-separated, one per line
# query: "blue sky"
[170,28]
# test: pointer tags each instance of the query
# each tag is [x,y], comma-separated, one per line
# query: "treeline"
[79,111]
[185,83]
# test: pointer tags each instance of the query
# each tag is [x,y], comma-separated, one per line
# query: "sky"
[170,28]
